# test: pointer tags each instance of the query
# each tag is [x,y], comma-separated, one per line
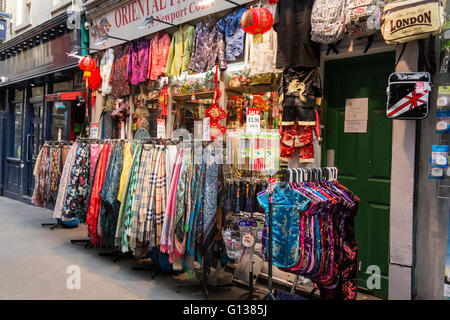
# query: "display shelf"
[198,95]
[252,89]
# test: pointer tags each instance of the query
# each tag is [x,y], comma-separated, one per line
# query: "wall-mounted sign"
[3,27]
[356,115]
[60,105]
[124,21]
[39,60]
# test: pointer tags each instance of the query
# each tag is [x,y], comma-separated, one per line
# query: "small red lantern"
[257,21]
[273,1]
[88,65]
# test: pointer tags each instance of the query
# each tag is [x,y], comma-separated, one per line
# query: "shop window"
[58,119]
[23,10]
[18,110]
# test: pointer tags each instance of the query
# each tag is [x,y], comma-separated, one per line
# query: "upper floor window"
[23,11]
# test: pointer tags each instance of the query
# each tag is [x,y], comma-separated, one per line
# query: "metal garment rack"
[269,295]
[50,143]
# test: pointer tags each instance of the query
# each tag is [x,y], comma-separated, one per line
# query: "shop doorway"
[34,137]
[14,143]
[363,159]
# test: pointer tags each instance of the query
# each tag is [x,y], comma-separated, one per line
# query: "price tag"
[161,128]
[420,87]
[93,132]
[253,121]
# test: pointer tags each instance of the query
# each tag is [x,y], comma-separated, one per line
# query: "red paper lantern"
[273,1]
[257,21]
[95,80]
[88,65]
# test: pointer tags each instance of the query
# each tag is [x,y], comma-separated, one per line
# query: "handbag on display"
[404,21]
[363,17]
[408,95]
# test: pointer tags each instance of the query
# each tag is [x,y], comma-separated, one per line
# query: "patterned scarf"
[64,181]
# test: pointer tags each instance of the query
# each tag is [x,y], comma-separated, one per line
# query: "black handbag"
[408,95]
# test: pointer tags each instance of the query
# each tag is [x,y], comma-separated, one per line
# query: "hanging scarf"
[166,243]
[141,200]
[95,202]
[109,193]
[126,207]
[64,181]
[75,205]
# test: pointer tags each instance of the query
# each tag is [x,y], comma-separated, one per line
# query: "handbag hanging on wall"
[408,95]
[408,20]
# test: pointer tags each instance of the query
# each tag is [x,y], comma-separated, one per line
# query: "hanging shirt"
[261,57]
[230,25]
[292,23]
[287,205]
[209,47]
[180,50]
[138,63]
[105,70]
[119,83]
[158,54]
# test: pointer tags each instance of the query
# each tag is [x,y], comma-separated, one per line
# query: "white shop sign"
[123,21]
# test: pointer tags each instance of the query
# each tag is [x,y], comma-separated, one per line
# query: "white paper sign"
[161,128]
[355,126]
[253,121]
[356,115]
[357,109]
[93,132]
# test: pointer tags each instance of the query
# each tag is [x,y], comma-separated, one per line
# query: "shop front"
[262,116]
[35,68]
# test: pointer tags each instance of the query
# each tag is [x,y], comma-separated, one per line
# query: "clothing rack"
[312,174]
[50,143]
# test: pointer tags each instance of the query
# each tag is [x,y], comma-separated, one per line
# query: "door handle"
[28,147]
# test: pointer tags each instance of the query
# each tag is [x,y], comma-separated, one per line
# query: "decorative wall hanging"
[215,112]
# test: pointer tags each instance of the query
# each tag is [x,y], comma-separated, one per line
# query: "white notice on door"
[355,126]
[357,109]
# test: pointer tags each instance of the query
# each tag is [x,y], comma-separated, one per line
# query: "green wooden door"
[363,159]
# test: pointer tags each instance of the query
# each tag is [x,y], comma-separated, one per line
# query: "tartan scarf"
[140,198]
[150,224]
[160,196]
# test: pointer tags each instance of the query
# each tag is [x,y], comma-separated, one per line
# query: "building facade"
[35,68]
[402,223]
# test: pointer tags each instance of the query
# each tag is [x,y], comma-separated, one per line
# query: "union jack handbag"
[408,95]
